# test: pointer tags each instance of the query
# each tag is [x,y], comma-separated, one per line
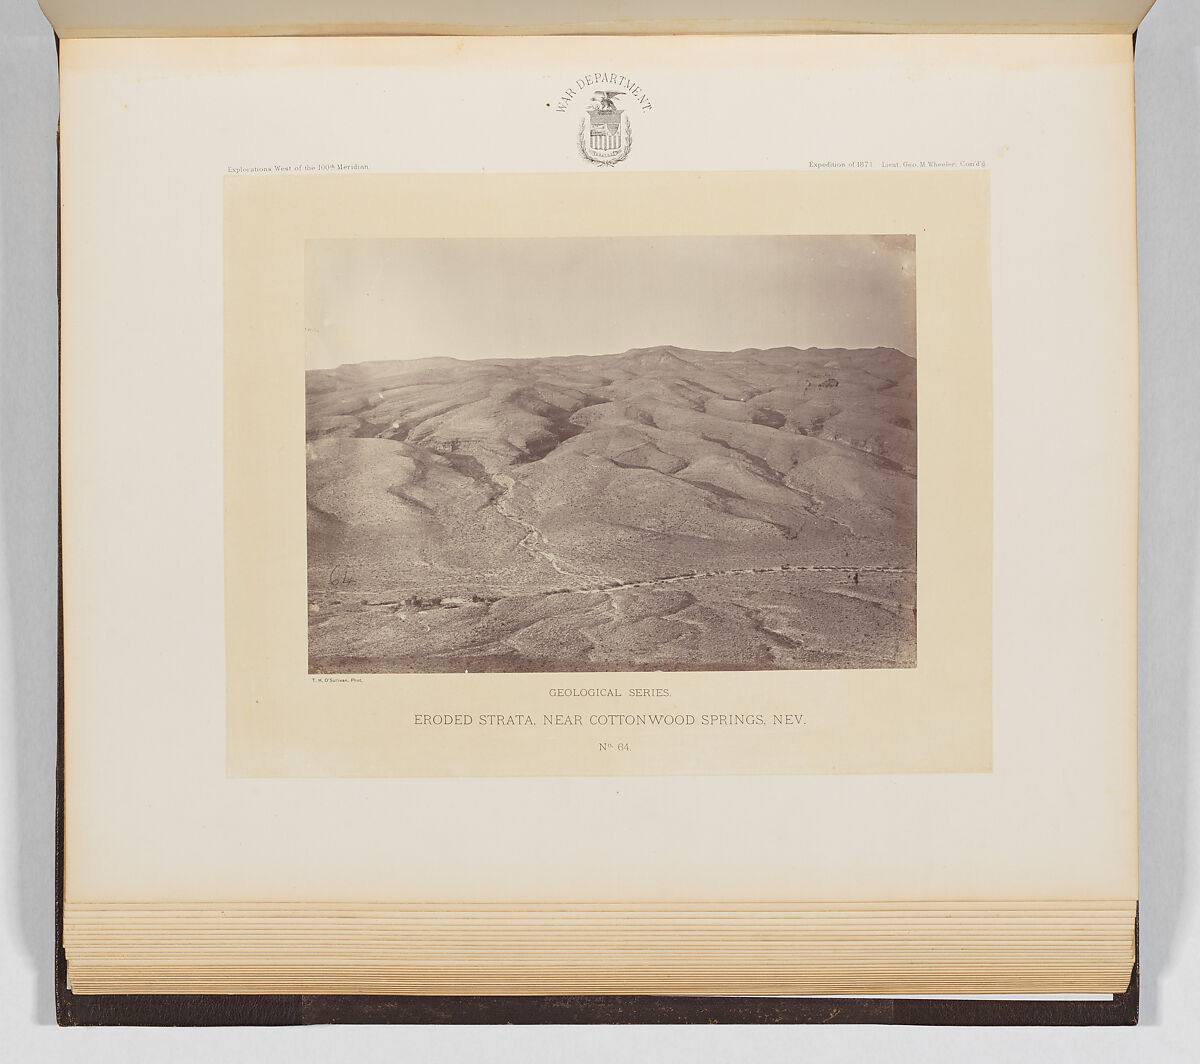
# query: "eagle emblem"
[605,135]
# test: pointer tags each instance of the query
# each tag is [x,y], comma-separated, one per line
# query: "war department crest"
[605,135]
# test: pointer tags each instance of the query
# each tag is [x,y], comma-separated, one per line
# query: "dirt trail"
[712,573]
[678,578]
[414,618]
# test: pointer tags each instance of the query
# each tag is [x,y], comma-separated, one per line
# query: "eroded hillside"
[657,509]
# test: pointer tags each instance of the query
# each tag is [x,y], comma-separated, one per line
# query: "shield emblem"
[605,136]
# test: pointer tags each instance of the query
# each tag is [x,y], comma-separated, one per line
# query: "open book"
[589,508]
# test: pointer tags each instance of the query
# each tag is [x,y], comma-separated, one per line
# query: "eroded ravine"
[533,539]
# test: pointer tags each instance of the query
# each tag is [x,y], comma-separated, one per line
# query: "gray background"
[1168,87]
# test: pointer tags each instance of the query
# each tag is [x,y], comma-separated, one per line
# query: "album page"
[214,18]
[599,469]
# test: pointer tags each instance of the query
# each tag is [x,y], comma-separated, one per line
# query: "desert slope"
[657,509]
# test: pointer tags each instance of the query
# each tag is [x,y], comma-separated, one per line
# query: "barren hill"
[657,509]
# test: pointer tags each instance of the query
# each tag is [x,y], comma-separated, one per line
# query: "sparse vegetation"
[749,516]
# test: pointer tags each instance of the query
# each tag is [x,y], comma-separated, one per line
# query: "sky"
[368,299]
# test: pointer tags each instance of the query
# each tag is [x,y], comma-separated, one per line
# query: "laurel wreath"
[616,158]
